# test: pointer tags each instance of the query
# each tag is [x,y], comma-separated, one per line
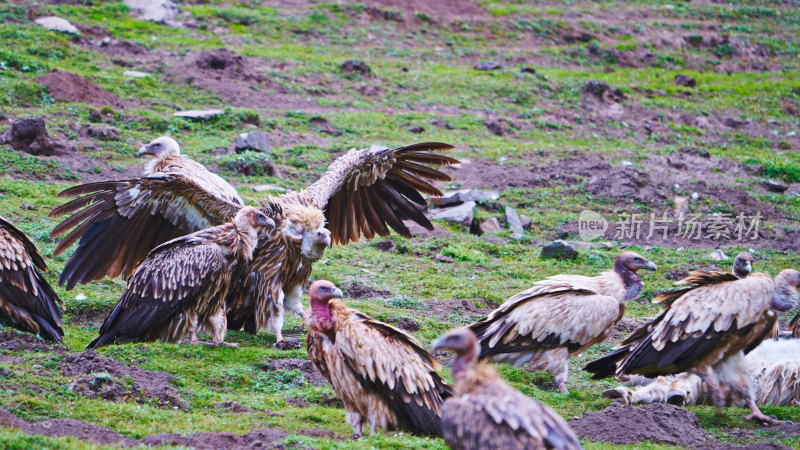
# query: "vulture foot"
[562,387]
[620,394]
[759,416]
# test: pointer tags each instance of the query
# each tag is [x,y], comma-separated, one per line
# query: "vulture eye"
[156,146]
[638,260]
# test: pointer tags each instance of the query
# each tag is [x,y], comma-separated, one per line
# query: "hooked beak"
[145,150]
[337,293]
[266,222]
[439,343]
[651,266]
[748,267]
[306,243]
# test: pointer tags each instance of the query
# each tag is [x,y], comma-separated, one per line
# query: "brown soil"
[464,309]
[785,430]
[122,383]
[24,342]
[357,290]
[656,422]
[267,438]
[313,377]
[73,88]
[233,407]
[80,430]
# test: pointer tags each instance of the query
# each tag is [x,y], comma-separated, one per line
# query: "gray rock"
[268,188]
[733,122]
[254,140]
[135,74]
[681,205]
[717,255]
[776,186]
[558,250]
[461,214]
[525,221]
[465,195]
[57,24]
[491,225]
[685,80]
[488,65]
[199,114]
[589,245]
[162,11]
[514,222]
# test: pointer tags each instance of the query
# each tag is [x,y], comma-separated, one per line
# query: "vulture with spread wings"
[380,373]
[26,299]
[363,193]
[182,284]
[706,328]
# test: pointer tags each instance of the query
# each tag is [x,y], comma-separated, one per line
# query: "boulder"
[514,222]
[491,225]
[254,140]
[465,195]
[162,11]
[57,24]
[461,214]
[558,250]
[199,114]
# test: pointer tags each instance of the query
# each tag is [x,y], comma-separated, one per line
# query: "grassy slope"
[311,43]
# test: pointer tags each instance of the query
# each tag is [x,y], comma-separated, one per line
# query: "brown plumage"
[26,299]
[124,220]
[705,328]
[485,412]
[181,285]
[363,193]
[559,317]
[380,373]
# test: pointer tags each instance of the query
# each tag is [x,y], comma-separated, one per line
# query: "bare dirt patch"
[444,309]
[112,380]
[656,422]
[69,87]
[80,430]
[305,367]
[268,438]
[358,290]
[783,430]
[23,342]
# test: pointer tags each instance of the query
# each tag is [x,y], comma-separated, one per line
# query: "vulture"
[26,299]
[559,317]
[775,366]
[124,220]
[380,373]
[363,193]
[485,412]
[181,285]
[706,328]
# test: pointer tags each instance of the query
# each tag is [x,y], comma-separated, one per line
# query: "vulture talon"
[762,418]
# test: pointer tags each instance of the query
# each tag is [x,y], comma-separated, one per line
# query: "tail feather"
[606,366]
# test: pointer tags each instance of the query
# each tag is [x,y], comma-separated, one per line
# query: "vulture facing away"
[380,373]
[705,329]
[124,220]
[560,316]
[363,193]
[485,412]
[26,299]
[181,286]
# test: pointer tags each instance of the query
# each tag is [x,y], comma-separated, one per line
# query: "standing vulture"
[181,286]
[124,220]
[380,373]
[705,329]
[485,412]
[560,316]
[26,299]
[363,193]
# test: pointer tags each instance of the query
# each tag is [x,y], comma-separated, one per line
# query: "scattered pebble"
[135,74]
[776,186]
[558,250]
[57,24]
[487,65]
[717,255]
[199,114]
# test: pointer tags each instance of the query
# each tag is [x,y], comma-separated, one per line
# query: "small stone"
[734,123]
[444,259]
[416,130]
[527,69]
[681,205]
[514,222]
[355,66]
[491,225]
[776,186]
[461,214]
[589,245]
[525,221]
[627,163]
[695,196]
[558,250]
[465,195]
[268,188]
[199,114]
[254,140]
[717,255]
[26,207]
[487,65]
[685,80]
[57,24]
[496,127]
[288,344]
[135,74]
[162,11]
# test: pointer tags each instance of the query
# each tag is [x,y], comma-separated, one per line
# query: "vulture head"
[250,217]
[307,226]
[161,147]
[626,265]
[743,264]
[321,292]
[785,296]
[464,343]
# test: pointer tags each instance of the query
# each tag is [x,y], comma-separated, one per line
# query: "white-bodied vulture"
[705,329]
[181,286]
[485,412]
[26,299]
[363,193]
[381,374]
[560,316]
[124,220]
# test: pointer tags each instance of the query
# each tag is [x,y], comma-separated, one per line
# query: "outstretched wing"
[392,364]
[119,222]
[172,278]
[366,192]
[26,299]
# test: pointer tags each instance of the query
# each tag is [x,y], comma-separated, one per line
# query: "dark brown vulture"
[487,413]
[124,220]
[560,316]
[363,193]
[794,326]
[26,299]
[380,373]
[743,264]
[705,329]
[181,286]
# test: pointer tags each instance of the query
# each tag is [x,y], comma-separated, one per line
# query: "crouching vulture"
[559,317]
[181,286]
[26,299]
[485,412]
[705,329]
[363,193]
[380,373]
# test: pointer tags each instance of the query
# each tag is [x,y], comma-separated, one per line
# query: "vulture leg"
[623,394]
[293,301]
[219,326]
[734,372]
[354,420]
